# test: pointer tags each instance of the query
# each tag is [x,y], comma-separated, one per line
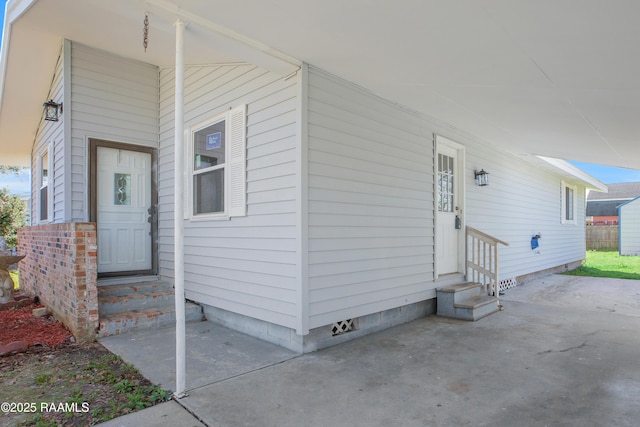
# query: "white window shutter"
[237,160]
[188,165]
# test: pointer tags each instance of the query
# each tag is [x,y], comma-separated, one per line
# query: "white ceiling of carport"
[552,78]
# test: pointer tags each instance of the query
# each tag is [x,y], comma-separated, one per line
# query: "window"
[44,185]
[209,145]
[216,167]
[445,183]
[569,203]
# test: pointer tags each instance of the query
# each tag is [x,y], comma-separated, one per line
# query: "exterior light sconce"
[51,110]
[482,178]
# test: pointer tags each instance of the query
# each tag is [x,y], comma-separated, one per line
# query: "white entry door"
[448,208]
[123,203]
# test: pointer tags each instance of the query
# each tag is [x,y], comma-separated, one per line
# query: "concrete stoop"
[136,306]
[465,301]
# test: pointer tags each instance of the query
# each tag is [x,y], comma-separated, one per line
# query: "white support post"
[178,214]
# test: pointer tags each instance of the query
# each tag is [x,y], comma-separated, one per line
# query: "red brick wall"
[60,268]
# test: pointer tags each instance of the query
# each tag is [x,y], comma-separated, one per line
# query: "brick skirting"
[60,268]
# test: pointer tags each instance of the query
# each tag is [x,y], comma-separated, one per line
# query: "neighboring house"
[629,227]
[309,202]
[602,208]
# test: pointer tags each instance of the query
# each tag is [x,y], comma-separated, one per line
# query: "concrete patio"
[563,352]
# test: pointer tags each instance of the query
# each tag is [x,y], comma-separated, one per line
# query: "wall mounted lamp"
[51,110]
[482,177]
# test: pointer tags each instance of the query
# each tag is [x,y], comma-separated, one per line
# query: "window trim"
[234,166]
[192,172]
[574,189]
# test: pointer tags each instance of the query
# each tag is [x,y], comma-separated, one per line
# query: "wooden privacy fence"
[601,237]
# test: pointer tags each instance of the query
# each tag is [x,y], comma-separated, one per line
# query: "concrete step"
[128,288]
[462,290]
[465,301]
[450,295]
[109,304]
[476,307]
[135,306]
[145,318]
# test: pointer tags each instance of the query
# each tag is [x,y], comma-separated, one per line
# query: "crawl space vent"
[343,327]
[507,284]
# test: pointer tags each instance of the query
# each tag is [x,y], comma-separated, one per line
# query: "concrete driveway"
[565,351]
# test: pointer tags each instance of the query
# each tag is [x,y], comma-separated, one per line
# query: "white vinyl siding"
[50,140]
[114,99]
[630,228]
[246,264]
[339,212]
[522,199]
[370,203]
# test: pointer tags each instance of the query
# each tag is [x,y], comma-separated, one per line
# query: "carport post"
[178,214]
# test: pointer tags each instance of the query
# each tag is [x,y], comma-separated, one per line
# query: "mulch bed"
[19,324]
[40,362]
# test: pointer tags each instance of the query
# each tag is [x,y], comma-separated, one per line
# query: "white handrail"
[482,260]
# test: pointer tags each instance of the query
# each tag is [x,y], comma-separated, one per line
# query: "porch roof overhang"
[552,79]
[573,173]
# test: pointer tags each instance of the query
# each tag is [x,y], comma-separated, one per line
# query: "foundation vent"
[344,326]
[508,284]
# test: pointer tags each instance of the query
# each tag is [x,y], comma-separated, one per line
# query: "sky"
[607,175]
[16,184]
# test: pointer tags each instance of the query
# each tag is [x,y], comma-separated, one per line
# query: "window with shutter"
[216,167]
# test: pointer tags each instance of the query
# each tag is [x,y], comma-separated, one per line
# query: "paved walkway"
[564,352]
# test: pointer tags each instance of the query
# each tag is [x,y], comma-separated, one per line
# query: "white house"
[629,227]
[311,201]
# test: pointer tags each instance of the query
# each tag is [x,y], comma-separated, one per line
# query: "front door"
[448,210]
[122,208]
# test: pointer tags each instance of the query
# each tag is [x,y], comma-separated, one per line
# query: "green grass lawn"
[609,264]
